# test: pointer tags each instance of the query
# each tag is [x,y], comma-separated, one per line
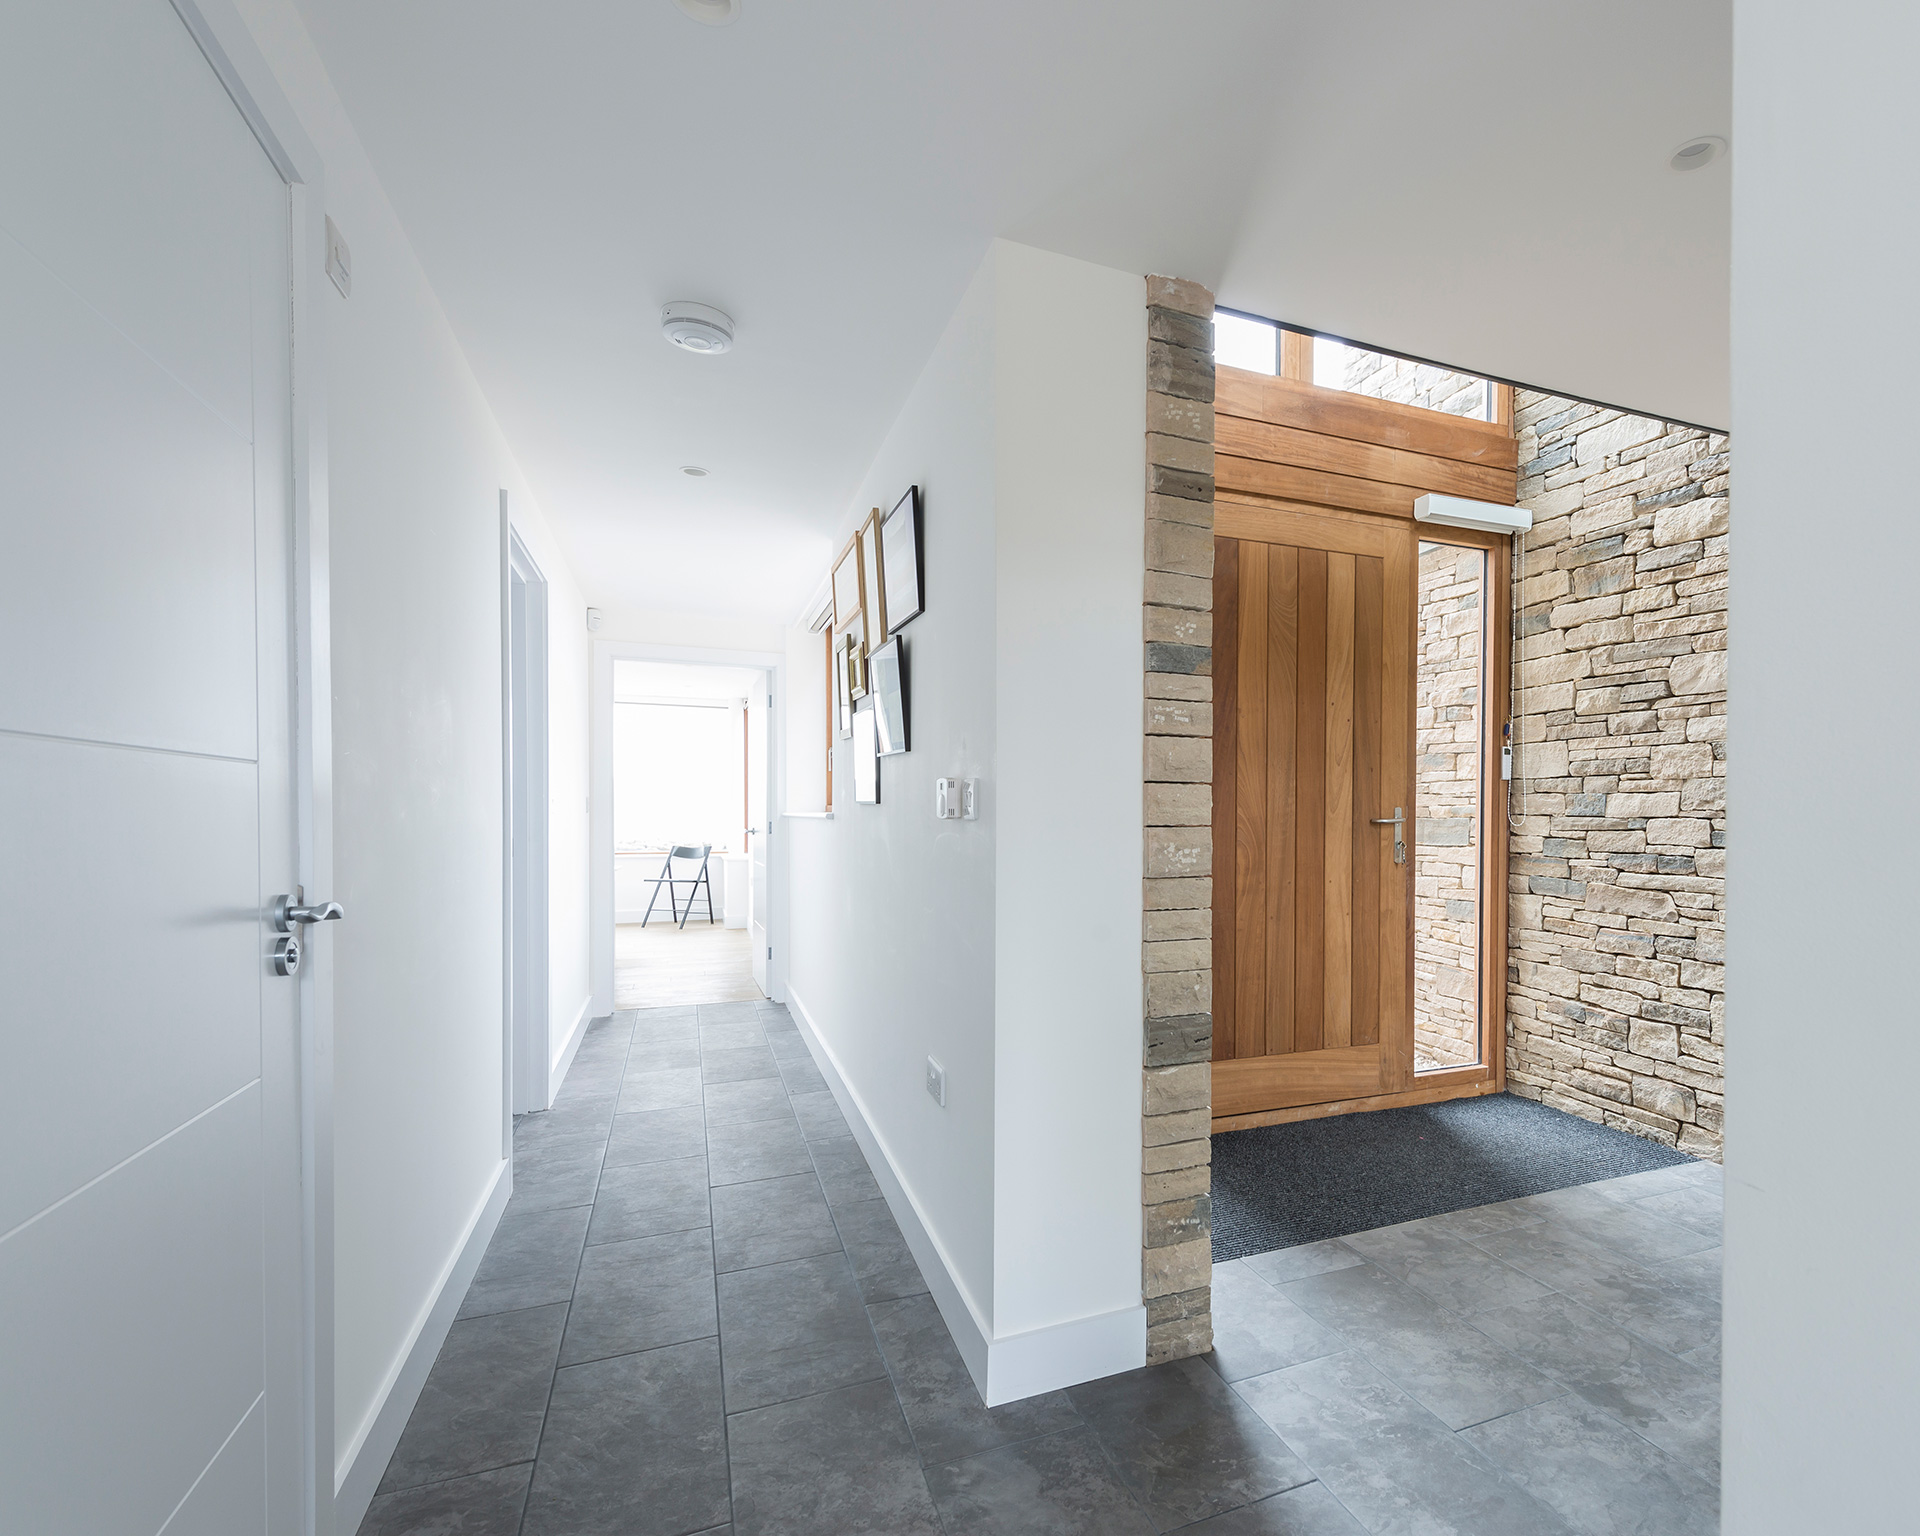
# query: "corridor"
[698,1316]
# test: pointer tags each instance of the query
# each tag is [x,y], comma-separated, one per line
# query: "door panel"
[1313,722]
[146,771]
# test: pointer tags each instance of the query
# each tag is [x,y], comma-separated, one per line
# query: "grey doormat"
[1281,1185]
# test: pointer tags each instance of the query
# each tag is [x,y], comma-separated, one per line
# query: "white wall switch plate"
[937,1082]
[946,799]
[339,261]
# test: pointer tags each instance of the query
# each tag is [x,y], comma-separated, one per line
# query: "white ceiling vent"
[697,327]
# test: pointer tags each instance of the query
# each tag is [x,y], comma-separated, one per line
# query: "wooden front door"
[1314,716]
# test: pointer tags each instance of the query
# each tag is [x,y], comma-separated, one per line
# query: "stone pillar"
[1177,940]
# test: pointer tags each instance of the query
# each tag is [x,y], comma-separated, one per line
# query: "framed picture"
[886,673]
[866,762]
[900,560]
[849,593]
[853,667]
[842,700]
[873,582]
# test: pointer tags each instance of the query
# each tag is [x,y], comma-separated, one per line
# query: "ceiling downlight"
[711,13]
[1695,153]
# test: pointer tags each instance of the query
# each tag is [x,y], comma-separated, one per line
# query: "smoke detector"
[711,13]
[1695,153]
[697,327]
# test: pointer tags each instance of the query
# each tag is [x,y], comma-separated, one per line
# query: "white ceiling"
[1482,182]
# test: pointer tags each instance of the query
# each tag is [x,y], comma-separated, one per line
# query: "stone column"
[1177,941]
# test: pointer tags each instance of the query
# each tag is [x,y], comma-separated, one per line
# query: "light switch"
[946,799]
[339,261]
[970,799]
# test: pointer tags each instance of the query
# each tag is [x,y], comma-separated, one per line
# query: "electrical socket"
[937,1082]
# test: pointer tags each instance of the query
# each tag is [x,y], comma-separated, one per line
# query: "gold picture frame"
[850,592]
[873,585]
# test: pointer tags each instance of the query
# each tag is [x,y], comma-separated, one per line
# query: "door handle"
[286,913]
[1397,820]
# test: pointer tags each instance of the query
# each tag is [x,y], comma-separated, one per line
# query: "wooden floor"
[661,966]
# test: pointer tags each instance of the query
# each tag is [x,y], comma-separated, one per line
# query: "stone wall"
[1177,941]
[1448,708]
[1617,907]
[1423,384]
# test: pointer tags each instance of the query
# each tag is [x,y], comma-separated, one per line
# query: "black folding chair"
[665,877]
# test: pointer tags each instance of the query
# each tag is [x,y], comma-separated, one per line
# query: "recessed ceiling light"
[1695,153]
[693,469]
[697,327]
[711,13]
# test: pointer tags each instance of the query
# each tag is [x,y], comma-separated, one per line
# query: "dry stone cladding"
[1446,852]
[1177,940]
[1408,383]
[1616,979]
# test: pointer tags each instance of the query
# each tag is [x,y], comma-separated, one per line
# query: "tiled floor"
[698,1316]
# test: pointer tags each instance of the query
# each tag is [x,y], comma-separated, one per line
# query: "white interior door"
[759,718]
[145,799]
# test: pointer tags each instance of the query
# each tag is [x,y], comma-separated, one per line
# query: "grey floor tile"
[1444,1268]
[843,1171]
[547,1181]
[1185,1444]
[486,1504]
[641,1294]
[830,1465]
[1257,1329]
[673,1088]
[802,1076]
[741,1103]
[530,1262]
[484,1399]
[738,1065]
[787,1044]
[1637,1186]
[1284,1264]
[534,1142]
[553,1127]
[1697,1206]
[589,1082]
[883,1265]
[1708,1174]
[1631,1229]
[942,1404]
[1393,1465]
[1451,1369]
[674,1034]
[635,1446]
[762,1149]
[1058,1485]
[1309,1510]
[1670,1311]
[1476,1221]
[794,1329]
[657,1136]
[819,1116]
[647,1198]
[1673,1403]
[771,1220]
[1600,1477]
[671,1053]
[742,1036]
[729,1013]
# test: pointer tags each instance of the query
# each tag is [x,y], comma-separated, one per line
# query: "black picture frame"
[902,565]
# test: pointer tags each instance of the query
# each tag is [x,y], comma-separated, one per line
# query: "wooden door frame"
[1340,457]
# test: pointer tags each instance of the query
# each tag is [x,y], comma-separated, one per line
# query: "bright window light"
[1242,343]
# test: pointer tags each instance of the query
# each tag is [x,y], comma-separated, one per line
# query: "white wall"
[1070,399]
[915,937]
[891,953]
[1822,1351]
[416,463]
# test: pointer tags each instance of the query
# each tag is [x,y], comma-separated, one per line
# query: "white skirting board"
[570,1048]
[1007,1369]
[364,1463]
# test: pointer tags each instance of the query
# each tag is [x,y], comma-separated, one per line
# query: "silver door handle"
[1397,820]
[286,913]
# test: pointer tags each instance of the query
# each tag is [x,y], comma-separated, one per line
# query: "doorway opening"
[690,819]
[1359,695]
